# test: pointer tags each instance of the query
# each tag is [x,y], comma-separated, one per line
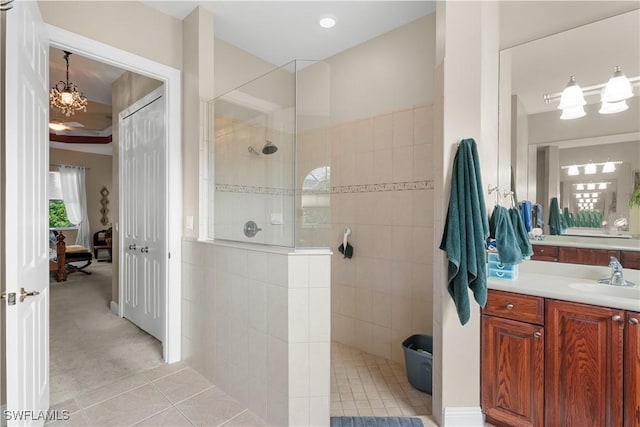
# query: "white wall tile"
[383,131]
[258,398]
[320,271]
[257,355]
[299,370]
[381,341]
[364,305]
[319,411]
[381,309]
[298,271]
[402,128]
[319,314]
[402,164]
[299,412]
[277,312]
[277,408]
[320,368]
[277,366]
[298,307]
[363,334]
[257,305]
[277,269]
[257,265]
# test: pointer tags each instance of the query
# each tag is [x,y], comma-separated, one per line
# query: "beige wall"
[125,91]
[98,175]
[127,25]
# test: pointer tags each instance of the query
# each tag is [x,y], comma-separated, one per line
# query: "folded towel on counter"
[556,220]
[522,236]
[465,231]
[505,235]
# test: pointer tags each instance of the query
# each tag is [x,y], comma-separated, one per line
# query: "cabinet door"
[583,353]
[632,370]
[512,372]
[630,259]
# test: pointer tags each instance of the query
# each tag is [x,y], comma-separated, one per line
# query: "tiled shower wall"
[256,323]
[382,187]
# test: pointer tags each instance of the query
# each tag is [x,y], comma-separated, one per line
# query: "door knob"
[24,294]
[132,247]
[145,250]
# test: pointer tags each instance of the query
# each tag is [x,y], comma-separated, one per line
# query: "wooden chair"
[65,257]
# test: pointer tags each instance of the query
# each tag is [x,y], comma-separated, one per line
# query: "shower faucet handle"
[251,229]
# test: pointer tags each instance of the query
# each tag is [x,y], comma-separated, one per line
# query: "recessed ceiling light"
[327,21]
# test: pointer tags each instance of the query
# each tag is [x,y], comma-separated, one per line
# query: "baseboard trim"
[115,309]
[462,417]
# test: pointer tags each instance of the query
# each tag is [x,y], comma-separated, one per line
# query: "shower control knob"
[145,250]
[132,247]
[251,229]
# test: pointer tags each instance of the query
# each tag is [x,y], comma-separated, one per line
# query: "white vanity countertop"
[559,282]
[590,242]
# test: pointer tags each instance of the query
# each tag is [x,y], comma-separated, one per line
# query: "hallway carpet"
[90,346]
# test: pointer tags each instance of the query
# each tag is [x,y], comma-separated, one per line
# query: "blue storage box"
[497,269]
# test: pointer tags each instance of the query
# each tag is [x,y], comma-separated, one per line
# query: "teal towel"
[505,235]
[465,231]
[555,218]
[522,237]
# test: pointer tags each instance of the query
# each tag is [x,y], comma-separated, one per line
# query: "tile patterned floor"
[368,385]
[170,395]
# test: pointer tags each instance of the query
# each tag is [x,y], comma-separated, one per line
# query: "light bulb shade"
[573,170]
[591,186]
[572,96]
[613,107]
[571,113]
[602,186]
[608,167]
[590,169]
[580,187]
[618,88]
[65,95]
[578,195]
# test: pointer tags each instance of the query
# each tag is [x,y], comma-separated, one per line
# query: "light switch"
[189,222]
[276,219]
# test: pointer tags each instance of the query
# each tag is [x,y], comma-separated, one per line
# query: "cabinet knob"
[537,334]
[633,321]
[509,306]
[616,318]
[541,250]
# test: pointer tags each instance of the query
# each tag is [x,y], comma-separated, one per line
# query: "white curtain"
[74,194]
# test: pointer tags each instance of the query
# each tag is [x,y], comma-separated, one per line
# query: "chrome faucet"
[616,278]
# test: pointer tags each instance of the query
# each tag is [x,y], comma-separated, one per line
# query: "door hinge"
[10,297]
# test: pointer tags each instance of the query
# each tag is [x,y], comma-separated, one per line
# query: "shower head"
[269,148]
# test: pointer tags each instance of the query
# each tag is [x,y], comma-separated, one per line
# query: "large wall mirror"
[588,163]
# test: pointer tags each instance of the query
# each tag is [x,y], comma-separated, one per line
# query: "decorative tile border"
[249,189]
[387,186]
[362,188]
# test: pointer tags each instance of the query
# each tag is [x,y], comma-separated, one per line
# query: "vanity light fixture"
[609,167]
[613,95]
[590,169]
[618,88]
[573,170]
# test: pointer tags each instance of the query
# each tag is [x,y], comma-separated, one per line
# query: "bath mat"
[376,422]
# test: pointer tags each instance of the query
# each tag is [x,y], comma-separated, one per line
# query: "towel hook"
[510,193]
[497,191]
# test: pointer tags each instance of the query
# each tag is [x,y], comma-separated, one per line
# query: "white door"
[143,192]
[26,222]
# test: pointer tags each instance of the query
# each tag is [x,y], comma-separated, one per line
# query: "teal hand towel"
[555,218]
[505,235]
[465,232]
[522,237]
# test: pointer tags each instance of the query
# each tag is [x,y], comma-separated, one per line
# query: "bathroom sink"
[614,291]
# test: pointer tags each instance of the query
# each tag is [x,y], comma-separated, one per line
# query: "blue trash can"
[418,357]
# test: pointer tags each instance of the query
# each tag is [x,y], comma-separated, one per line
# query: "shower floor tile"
[367,385]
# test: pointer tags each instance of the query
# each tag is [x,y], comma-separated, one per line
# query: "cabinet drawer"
[544,253]
[508,305]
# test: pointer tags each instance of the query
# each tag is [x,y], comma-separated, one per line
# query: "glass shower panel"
[269,169]
[254,151]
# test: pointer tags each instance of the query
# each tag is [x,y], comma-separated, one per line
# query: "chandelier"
[65,95]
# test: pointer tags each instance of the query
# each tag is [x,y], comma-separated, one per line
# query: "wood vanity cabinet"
[512,361]
[584,364]
[571,255]
[555,363]
[632,370]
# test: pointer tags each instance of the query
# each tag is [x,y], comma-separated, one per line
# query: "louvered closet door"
[143,192]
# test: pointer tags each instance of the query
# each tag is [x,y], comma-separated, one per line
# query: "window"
[316,197]
[57,211]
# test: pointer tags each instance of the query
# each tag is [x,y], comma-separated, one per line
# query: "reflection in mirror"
[587,161]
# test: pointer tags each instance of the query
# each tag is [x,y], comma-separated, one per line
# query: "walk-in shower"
[270,179]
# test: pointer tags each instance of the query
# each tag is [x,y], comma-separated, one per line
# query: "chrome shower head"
[269,148]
